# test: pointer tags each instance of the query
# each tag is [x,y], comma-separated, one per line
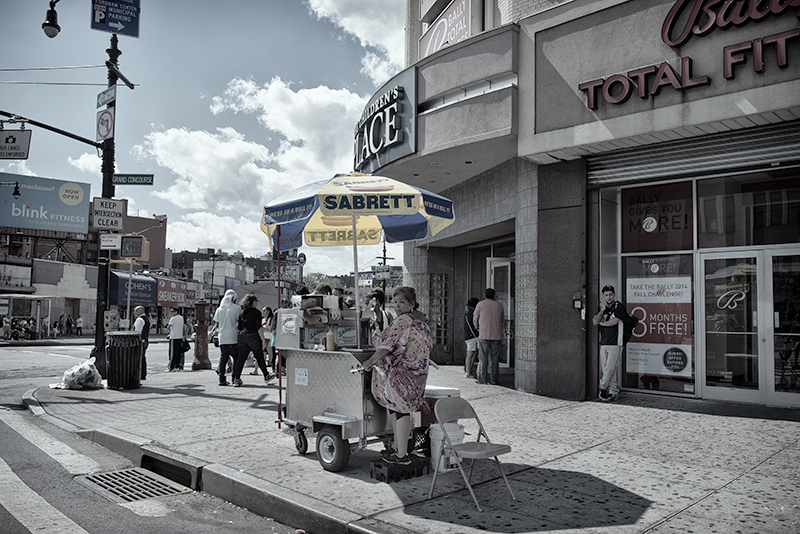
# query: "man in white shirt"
[141,327]
[175,340]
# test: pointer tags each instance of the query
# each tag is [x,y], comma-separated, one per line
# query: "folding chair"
[450,409]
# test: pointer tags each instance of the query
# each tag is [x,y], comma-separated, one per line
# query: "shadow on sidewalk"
[547,499]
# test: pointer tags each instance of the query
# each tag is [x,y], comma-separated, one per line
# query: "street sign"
[132,179]
[116,16]
[107,213]
[301,259]
[105,124]
[14,144]
[109,95]
[110,241]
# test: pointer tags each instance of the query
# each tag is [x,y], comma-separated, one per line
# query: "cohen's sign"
[689,18]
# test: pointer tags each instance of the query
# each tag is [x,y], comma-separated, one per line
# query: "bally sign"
[688,18]
[452,26]
[171,293]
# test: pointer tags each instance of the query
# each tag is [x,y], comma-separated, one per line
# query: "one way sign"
[116,16]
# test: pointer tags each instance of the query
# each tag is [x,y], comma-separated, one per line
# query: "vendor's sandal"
[387,452]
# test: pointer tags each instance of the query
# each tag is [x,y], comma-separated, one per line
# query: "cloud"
[88,163]
[17,167]
[225,179]
[219,171]
[377,24]
[234,178]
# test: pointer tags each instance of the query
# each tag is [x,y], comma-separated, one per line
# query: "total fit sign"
[45,204]
[694,19]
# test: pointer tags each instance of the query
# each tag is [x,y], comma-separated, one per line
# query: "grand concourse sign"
[133,179]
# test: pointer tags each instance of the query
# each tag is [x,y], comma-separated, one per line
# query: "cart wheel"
[333,452]
[301,442]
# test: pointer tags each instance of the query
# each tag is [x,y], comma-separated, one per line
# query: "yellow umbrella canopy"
[355,209]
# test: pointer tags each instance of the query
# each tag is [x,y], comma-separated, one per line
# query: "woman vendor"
[401,370]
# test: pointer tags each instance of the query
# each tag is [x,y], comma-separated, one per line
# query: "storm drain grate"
[134,484]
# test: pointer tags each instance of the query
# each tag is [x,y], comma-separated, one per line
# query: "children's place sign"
[658,290]
[45,204]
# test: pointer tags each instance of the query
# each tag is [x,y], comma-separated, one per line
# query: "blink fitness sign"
[689,18]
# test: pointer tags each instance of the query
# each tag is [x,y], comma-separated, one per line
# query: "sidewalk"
[642,464]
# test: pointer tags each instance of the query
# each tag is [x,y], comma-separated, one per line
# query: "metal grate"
[131,485]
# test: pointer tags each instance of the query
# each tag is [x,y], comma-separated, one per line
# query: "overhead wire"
[32,69]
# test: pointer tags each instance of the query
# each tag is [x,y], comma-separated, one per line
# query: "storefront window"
[660,355]
[753,209]
[657,217]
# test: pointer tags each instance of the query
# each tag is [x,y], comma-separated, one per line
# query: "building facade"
[653,145]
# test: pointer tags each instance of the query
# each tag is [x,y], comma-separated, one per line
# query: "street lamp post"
[51,29]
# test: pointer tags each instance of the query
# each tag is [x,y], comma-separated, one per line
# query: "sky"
[235,103]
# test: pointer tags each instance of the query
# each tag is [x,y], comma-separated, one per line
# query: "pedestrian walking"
[489,317]
[79,326]
[251,339]
[226,321]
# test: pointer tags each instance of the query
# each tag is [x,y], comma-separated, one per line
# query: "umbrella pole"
[355,283]
[278,357]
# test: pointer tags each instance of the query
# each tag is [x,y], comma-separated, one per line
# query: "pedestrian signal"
[134,247]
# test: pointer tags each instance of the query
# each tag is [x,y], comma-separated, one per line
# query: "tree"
[312,280]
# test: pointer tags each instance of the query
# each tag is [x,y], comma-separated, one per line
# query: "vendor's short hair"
[407,293]
[608,288]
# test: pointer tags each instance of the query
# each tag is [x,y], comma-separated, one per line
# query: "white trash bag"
[83,376]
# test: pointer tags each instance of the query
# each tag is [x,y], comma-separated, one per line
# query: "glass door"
[784,364]
[751,337]
[732,304]
[500,274]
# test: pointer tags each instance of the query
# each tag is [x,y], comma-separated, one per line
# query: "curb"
[242,489]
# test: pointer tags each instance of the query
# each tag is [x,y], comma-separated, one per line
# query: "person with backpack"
[610,321]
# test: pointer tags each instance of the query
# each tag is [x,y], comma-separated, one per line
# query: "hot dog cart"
[327,391]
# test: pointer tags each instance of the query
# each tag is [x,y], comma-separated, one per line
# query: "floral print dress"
[401,387]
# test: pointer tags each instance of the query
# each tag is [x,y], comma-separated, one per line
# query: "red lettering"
[665,76]
[590,88]
[640,79]
[707,15]
[733,55]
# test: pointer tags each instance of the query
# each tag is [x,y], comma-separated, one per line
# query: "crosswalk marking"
[32,511]
[74,462]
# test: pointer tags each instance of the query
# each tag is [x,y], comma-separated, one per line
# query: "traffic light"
[134,247]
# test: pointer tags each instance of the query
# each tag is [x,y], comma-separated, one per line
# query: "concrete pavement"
[642,464]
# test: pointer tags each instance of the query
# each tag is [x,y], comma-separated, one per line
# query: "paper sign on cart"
[301,377]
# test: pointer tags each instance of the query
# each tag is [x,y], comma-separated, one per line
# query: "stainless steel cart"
[326,394]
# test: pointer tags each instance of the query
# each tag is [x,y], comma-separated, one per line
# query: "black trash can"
[124,356]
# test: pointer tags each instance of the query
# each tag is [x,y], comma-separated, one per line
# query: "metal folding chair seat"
[452,408]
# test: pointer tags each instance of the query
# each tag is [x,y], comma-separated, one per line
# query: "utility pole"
[107,168]
[383,262]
